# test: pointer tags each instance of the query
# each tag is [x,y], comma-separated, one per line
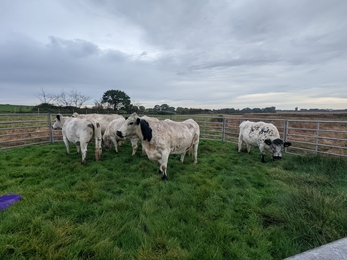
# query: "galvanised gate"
[306,136]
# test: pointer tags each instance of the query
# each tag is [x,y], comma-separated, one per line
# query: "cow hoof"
[164,178]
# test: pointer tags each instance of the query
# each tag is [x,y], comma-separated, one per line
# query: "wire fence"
[306,136]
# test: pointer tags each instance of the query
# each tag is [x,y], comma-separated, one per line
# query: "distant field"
[334,116]
[6,108]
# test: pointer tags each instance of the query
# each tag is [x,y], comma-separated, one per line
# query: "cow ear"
[286,144]
[268,141]
[138,120]
[58,117]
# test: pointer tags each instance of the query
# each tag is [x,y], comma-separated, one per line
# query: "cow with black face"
[263,135]
[162,138]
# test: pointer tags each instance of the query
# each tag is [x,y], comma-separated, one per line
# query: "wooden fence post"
[51,136]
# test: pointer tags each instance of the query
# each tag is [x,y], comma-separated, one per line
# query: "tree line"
[117,101]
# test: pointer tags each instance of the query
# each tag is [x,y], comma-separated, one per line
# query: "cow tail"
[192,145]
[98,138]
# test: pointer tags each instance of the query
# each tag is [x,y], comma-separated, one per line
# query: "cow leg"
[262,158]
[84,152]
[160,171]
[248,148]
[143,150]
[134,145]
[182,157]
[98,153]
[164,177]
[163,165]
[78,148]
[67,145]
[115,143]
[240,144]
[195,148]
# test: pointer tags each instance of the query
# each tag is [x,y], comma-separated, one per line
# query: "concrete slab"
[336,250]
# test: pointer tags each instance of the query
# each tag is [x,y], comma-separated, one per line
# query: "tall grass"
[228,206]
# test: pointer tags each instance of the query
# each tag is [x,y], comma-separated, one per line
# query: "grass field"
[228,206]
[6,108]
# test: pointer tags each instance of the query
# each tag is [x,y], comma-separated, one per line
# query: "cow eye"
[131,123]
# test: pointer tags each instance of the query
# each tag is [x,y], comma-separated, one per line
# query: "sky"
[184,53]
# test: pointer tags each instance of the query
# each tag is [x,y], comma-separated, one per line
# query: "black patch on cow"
[277,141]
[267,141]
[264,131]
[254,128]
[146,130]
[58,117]
[286,144]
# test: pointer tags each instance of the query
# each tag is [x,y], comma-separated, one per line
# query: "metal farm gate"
[306,136]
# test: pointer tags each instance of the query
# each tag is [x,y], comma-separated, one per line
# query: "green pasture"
[228,206]
[6,108]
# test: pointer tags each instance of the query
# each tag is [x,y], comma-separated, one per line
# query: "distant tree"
[142,109]
[246,110]
[182,111]
[77,99]
[71,98]
[157,107]
[117,99]
[131,109]
[257,110]
[44,97]
[179,110]
[164,107]
[270,110]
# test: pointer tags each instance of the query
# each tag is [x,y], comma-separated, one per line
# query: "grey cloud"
[77,48]
[203,52]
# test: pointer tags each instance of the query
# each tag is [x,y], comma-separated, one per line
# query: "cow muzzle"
[120,134]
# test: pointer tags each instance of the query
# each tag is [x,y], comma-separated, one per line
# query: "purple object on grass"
[7,200]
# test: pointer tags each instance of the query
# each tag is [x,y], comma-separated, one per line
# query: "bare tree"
[45,98]
[76,98]
[62,99]
[71,98]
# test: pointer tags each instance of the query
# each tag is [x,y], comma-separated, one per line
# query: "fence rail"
[306,136]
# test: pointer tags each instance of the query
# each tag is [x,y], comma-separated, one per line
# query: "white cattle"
[263,135]
[102,119]
[110,137]
[80,132]
[162,138]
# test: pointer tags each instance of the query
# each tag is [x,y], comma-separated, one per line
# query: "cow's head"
[106,142]
[276,147]
[59,122]
[132,127]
